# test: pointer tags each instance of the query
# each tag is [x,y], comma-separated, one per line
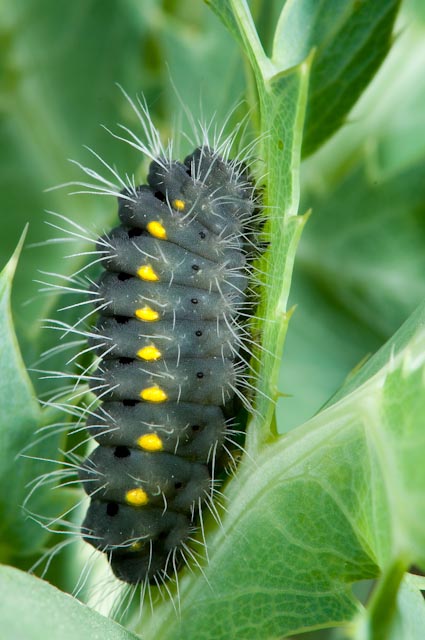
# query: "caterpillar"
[173,306]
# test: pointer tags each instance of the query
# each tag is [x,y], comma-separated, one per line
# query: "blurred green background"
[361,264]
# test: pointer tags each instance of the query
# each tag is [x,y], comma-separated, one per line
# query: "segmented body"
[170,335]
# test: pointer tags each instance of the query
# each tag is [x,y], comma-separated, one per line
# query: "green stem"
[250,38]
[384,601]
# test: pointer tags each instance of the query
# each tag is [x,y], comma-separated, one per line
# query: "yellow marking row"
[150,441]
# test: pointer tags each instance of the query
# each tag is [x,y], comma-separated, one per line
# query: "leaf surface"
[32,609]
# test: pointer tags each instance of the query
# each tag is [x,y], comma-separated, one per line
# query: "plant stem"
[384,601]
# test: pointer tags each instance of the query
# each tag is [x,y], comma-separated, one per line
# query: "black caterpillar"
[171,335]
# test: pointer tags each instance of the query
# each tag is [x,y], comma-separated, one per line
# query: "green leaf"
[19,464]
[20,417]
[32,609]
[350,39]
[409,620]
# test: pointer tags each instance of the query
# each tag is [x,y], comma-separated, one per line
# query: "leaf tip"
[11,265]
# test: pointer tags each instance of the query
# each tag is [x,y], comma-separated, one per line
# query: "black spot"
[129,403]
[178,485]
[195,267]
[112,509]
[159,196]
[132,233]
[198,333]
[124,276]
[121,452]
[196,427]
[194,300]
[162,537]
[125,360]
[122,319]
[202,235]
[199,375]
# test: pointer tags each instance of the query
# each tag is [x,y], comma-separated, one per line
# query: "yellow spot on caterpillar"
[145,272]
[153,394]
[136,497]
[156,230]
[179,205]
[147,314]
[150,442]
[136,546]
[149,353]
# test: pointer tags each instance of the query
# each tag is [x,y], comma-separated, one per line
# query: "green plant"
[340,498]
